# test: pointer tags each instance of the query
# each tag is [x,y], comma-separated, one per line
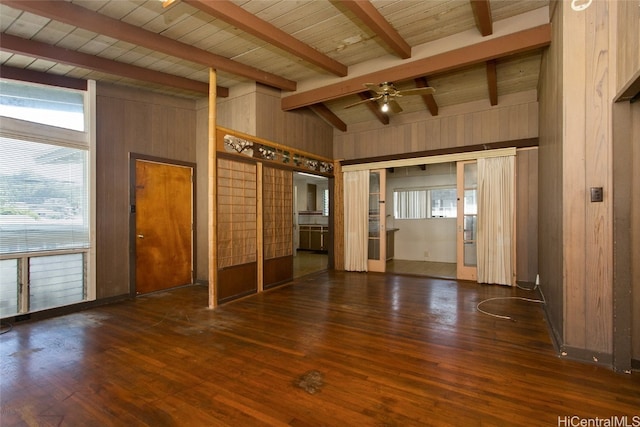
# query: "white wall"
[432,239]
[300,183]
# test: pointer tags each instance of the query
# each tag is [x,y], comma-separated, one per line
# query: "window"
[444,203]
[423,203]
[45,188]
[43,197]
[325,202]
[46,105]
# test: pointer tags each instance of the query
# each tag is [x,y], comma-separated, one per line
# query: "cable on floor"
[501,316]
[7,328]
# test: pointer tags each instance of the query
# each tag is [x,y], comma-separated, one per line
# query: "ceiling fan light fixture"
[385,107]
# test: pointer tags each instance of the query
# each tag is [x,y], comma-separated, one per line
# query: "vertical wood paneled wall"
[578,84]
[628,41]
[527,214]
[301,129]
[588,226]
[516,117]
[635,230]
[255,110]
[131,121]
[550,178]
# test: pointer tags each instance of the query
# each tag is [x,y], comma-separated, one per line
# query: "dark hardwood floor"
[331,349]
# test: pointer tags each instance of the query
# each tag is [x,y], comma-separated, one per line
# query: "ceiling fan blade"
[417,91]
[375,98]
[395,107]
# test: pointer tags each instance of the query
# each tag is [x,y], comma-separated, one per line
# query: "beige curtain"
[496,220]
[356,220]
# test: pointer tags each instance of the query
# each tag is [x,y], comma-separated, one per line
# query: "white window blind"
[424,203]
[43,197]
[410,204]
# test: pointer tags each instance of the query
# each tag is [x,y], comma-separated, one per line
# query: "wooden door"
[467,223]
[163,226]
[377,221]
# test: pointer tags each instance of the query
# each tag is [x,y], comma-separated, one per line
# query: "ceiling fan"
[388,92]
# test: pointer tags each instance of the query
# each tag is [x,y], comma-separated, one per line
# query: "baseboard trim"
[587,356]
[573,353]
[61,311]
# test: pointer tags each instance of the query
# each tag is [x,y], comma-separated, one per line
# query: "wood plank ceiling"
[319,53]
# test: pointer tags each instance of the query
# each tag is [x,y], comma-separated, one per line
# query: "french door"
[467,223]
[377,240]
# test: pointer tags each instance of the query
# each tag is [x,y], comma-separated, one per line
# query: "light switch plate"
[596,194]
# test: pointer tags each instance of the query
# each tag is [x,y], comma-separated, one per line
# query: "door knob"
[140,236]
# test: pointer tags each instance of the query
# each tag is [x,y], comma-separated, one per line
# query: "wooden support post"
[212,193]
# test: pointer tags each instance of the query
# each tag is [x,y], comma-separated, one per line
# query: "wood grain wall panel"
[598,169]
[550,179]
[527,214]
[516,118]
[587,163]
[278,271]
[635,230]
[125,124]
[112,238]
[236,111]
[237,281]
[624,255]
[255,110]
[574,145]
[628,42]
[301,129]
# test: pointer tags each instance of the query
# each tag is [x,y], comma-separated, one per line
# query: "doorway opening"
[310,223]
[421,214]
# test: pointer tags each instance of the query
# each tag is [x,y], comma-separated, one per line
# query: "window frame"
[51,135]
[428,208]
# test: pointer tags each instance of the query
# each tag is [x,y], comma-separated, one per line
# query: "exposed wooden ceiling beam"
[370,16]
[522,41]
[245,21]
[324,112]
[482,14]
[374,107]
[492,82]
[35,49]
[429,100]
[32,76]
[78,16]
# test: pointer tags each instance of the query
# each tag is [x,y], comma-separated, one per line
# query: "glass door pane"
[377,233]
[467,219]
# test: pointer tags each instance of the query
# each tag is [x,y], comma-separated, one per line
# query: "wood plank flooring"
[441,270]
[331,349]
[307,262]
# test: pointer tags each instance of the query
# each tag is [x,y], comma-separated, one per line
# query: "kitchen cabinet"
[314,237]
